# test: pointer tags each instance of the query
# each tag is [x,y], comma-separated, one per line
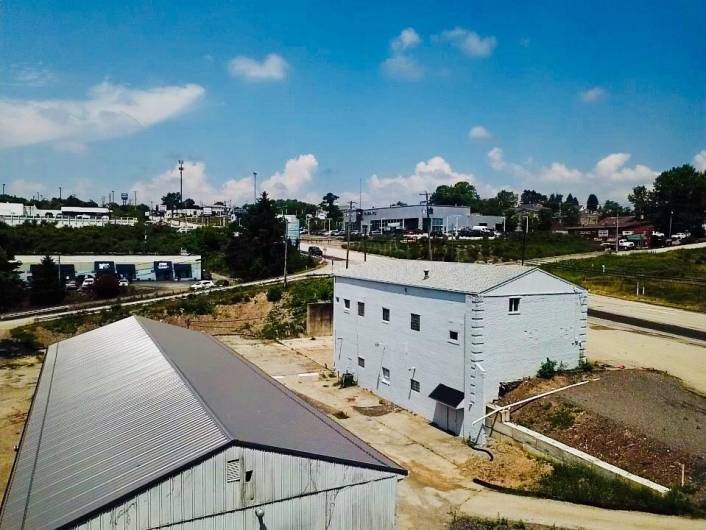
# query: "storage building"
[144,425]
[439,338]
[131,266]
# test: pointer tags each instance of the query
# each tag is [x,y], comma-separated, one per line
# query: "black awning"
[447,395]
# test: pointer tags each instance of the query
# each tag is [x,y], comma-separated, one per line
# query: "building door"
[448,419]
[163,270]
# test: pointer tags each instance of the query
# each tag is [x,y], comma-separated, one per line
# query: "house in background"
[145,425]
[439,338]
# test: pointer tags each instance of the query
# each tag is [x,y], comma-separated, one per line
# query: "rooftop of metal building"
[440,275]
[123,406]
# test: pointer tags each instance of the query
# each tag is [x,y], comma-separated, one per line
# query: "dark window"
[514,305]
[453,335]
[385,314]
[416,322]
[361,309]
[361,362]
[338,299]
[386,374]
[346,303]
[414,385]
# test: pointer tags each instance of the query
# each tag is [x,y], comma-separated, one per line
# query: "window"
[361,362]
[338,299]
[385,314]
[346,303]
[361,309]
[385,375]
[416,322]
[514,305]
[453,335]
[414,385]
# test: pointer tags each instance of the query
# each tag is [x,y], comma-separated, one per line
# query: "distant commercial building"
[627,227]
[442,218]
[145,425]
[439,338]
[131,266]
[15,214]
[293,234]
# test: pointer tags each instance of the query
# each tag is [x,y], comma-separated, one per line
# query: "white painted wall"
[426,356]
[494,346]
[293,492]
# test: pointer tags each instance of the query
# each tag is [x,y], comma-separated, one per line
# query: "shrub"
[106,286]
[192,304]
[547,370]
[274,293]
[563,417]
[466,522]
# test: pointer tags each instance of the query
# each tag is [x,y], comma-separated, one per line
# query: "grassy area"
[579,484]
[507,248]
[287,318]
[676,278]
[467,522]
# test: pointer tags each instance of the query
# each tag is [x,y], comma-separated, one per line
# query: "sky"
[379,100]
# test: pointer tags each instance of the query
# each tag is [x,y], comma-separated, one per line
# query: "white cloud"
[426,177]
[25,188]
[291,182]
[592,94]
[469,42]
[496,159]
[109,111]
[478,132]
[408,38]
[700,160]
[402,67]
[612,168]
[31,75]
[272,68]
[558,172]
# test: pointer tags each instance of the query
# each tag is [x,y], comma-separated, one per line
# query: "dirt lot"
[643,421]
[18,376]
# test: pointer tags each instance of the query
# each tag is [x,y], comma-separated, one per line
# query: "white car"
[87,282]
[202,284]
[625,244]
[122,282]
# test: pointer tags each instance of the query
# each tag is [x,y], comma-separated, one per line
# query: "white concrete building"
[140,425]
[438,338]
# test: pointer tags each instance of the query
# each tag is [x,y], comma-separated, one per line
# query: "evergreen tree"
[46,287]
[10,284]
[592,203]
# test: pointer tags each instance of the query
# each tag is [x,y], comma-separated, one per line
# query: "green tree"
[106,286]
[679,193]
[612,208]
[171,200]
[328,204]
[532,197]
[592,203]
[570,214]
[570,199]
[10,284]
[257,251]
[460,194]
[46,287]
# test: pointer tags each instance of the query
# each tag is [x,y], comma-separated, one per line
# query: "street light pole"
[286,249]
[671,213]
[426,207]
[181,183]
[348,232]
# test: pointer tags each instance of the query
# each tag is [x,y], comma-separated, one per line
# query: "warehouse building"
[145,425]
[442,218]
[130,266]
[439,338]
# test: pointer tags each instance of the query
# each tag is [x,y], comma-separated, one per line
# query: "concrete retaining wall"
[319,319]
[546,447]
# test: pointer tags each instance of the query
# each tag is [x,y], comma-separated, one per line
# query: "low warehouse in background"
[131,266]
[144,425]
[439,338]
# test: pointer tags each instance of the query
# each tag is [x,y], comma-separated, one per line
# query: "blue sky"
[317,96]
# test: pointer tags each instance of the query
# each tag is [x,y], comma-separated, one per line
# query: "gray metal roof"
[445,276]
[124,405]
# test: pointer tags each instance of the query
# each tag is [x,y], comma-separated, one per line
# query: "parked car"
[122,282]
[87,282]
[70,285]
[202,284]
[315,251]
[624,244]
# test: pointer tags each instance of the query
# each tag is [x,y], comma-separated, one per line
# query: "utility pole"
[426,207]
[3,188]
[181,183]
[348,232]
[524,239]
[286,248]
[617,241]
[135,192]
[59,192]
[671,213]
[254,187]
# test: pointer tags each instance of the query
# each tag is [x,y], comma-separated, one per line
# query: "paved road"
[585,255]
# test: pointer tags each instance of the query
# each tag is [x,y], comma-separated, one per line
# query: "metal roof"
[127,404]
[445,276]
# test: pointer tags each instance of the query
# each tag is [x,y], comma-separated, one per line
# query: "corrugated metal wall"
[294,492]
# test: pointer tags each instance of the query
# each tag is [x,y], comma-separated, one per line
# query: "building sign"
[162,265]
[104,266]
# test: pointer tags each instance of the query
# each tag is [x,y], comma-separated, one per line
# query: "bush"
[580,484]
[547,370]
[563,417]
[466,522]
[192,304]
[106,286]
[274,293]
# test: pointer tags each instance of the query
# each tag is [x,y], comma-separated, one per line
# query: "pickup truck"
[624,244]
